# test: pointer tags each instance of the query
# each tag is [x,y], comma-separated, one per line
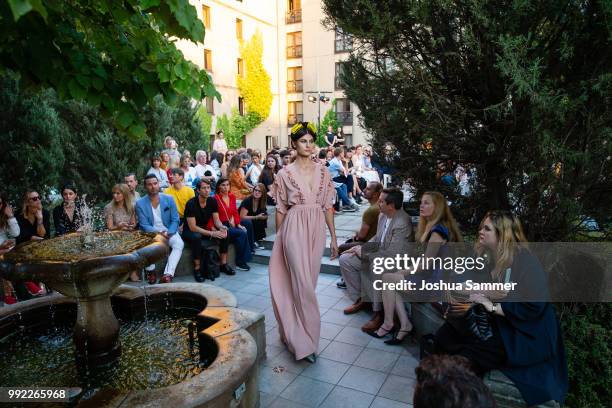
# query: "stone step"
[328,266]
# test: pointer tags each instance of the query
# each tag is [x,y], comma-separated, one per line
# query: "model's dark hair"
[200,181]
[150,176]
[69,186]
[449,381]
[303,128]
[221,181]
[178,171]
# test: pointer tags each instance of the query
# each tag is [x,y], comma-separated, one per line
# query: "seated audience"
[526,342]
[362,166]
[238,184]
[132,183]
[120,214]
[203,170]
[9,230]
[179,191]
[254,208]
[447,381]
[158,213]
[216,160]
[369,219]
[238,232]
[394,231]
[285,156]
[159,172]
[254,171]
[67,215]
[189,173]
[342,181]
[173,153]
[165,161]
[228,157]
[437,226]
[199,212]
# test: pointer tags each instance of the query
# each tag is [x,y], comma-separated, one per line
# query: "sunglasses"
[34,198]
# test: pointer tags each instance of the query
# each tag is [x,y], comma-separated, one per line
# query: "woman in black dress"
[254,208]
[67,215]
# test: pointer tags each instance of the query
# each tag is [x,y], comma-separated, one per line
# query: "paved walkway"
[353,370]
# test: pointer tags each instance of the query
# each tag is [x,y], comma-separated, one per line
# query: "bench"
[185,265]
[427,320]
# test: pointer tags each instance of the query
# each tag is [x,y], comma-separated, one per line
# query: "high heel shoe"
[397,339]
[312,358]
[380,336]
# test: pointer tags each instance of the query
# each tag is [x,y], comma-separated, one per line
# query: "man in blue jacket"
[158,213]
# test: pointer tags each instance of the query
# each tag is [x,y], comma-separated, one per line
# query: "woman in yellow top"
[237,178]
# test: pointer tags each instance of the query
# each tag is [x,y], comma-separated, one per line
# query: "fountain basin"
[233,339]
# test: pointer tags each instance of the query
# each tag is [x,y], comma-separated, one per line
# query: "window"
[295,113]
[294,45]
[239,29]
[240,67]
[344,113]
[294,13]
[344,42]
[206,16]
[294,79]
[337,79]
[271,142]
[241,105]
[210,105]
[208,60]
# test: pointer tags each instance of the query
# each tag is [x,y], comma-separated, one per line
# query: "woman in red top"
[238,233]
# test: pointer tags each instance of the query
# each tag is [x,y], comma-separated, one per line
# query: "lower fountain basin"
[230,343]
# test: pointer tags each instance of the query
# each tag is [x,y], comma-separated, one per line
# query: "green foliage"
[54,141]
[519,90]
[254,85]
[588,336]
[236,126]
[205,122]
[329,119]
[117,55]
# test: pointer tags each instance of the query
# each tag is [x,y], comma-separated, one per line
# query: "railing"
[346,118]
[294,16]
[295,86]
[294,51]
[293,119]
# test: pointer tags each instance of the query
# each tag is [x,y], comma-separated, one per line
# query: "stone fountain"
[87,267]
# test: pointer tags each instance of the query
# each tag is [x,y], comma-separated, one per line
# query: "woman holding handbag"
[525,342]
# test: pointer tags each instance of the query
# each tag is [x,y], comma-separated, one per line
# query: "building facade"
[302,57]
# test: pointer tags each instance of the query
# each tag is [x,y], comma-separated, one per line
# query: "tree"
[254,84]
[117,54]
[518,90]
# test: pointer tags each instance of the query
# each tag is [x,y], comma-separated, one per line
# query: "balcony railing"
[294,51]
[295,86]
[294,16]
[293,119]
[346,118]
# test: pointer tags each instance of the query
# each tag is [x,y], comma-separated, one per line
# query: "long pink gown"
[296,256]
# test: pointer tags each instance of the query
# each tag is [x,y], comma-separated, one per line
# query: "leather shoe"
[198,276]
[166,279]
[374,323]
[226,269]
[151,278]
[355,307]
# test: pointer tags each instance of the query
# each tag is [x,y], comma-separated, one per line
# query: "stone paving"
[353,369]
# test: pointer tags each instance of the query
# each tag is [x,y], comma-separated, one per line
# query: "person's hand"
[483,300]
[242,227]
[122,225]
[8,211]
[165,234]
[231,223]
[333,246]
[8,244]
[39,215]
[262,216]
[36,238]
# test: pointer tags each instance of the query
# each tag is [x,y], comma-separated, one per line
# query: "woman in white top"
[9,228]
[359,166]
[254,171]
[190,172]
[219,144]
[160,173]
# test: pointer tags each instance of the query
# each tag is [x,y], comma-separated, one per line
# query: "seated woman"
[159,172]
[254,171]
[526,342]
[165,161]
[34,224]
[362,167]
[9,230]
[190,172]
[437,226]
[67,215]
[120,214]
[254,208]
[226,162]
[238,184]
[238,233]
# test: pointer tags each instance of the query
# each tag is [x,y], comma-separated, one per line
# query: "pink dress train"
[296,257]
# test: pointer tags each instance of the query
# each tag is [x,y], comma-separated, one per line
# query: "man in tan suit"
[394,233]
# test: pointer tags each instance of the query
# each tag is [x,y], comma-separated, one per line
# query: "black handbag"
[213,262]
[472,322]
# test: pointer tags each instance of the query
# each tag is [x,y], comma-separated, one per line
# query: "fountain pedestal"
[90,273]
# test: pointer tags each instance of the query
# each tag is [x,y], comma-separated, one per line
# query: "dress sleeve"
[329,190]
[278,192]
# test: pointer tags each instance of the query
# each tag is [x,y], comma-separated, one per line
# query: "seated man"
[342,180]
[179,191]
[157,213]
[394,229]
[198,213]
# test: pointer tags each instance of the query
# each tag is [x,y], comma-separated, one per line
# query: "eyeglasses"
[256,190]
[34,198]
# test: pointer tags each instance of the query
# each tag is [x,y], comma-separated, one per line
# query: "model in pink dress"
[303,192]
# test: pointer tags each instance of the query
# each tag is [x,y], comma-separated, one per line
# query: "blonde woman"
[436,227]
[120,214]
[526,342]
